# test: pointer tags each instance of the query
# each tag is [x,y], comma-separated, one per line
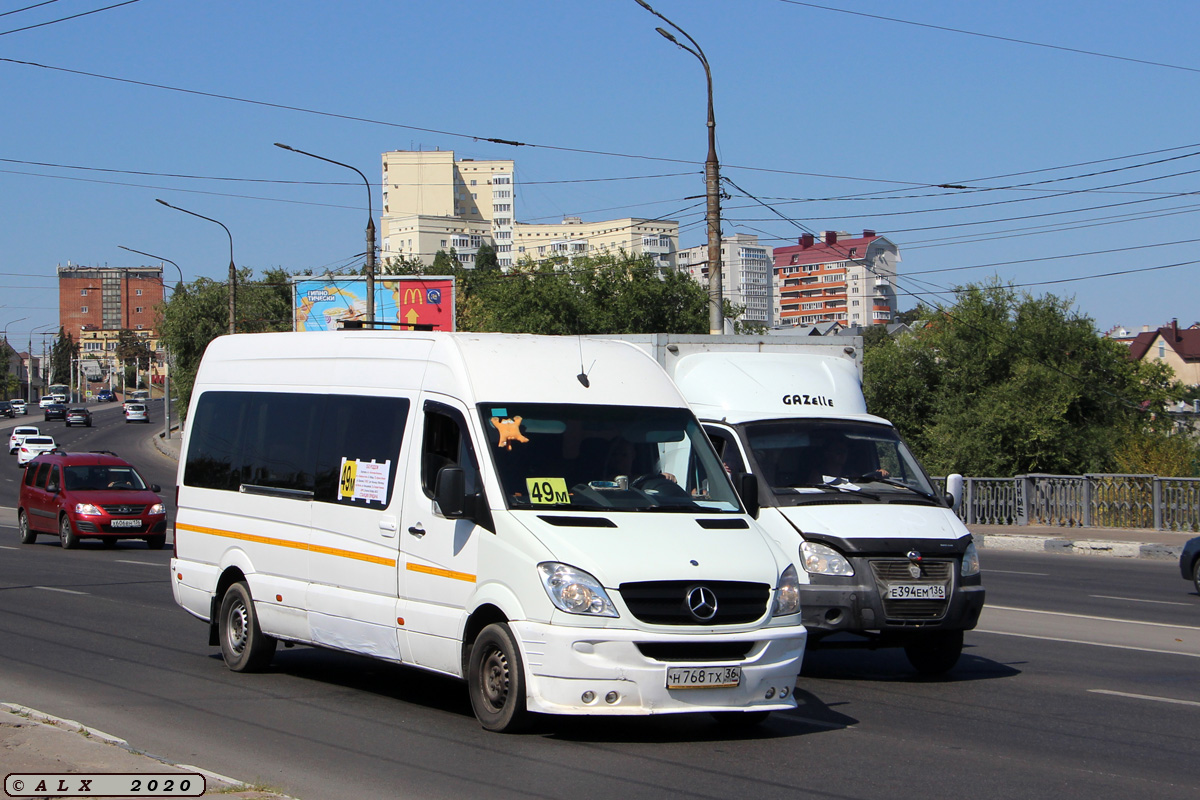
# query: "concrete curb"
[1088,547]
[93,743]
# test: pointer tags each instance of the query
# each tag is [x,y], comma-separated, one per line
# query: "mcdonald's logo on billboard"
[413,296]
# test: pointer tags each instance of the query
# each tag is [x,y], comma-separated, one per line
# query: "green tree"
[131,352]
[485,258]
[199,312]
[64,352]
[1003,383]
[445,263]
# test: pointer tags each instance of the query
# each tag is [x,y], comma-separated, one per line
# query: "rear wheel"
[28,535]
[496,681]
[935,653]
[66,534]
[1196,574]
[244,646]
[157,541]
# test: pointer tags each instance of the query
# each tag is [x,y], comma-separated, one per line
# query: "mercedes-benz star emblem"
[702,603]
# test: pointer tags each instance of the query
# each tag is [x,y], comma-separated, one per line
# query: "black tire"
[66,534]
[244,646]
[108,542]
[156,542]
[28,534]
[935,653]
[1196,574]
[739,721]
[496,681]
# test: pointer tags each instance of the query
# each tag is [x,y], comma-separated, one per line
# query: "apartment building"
[837,278]
[433,201]
[745,274]
[108,298]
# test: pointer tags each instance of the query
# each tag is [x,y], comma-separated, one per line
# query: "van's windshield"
[585,457]
[803,459]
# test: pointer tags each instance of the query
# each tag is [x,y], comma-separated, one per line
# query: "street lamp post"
[41,332]
[712,182]
[7,361]
[370,227]
[167,360]
[232,269]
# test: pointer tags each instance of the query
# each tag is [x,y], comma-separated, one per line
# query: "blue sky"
[811,104]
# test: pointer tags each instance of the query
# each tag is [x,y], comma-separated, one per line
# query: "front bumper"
[857,604]
[562,663]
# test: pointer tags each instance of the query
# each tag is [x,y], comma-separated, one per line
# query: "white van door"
[440,555]
[353,601]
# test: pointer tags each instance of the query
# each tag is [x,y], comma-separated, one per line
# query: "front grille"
[666,602]
[897,571]
[696,652]
[124,510]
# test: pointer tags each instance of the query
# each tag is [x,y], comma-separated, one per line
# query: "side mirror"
[52,488]
[954,490]
[449,492]
[746,484]
[154,487]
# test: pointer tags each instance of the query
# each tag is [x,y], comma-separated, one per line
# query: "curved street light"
[167,372]
[39,331]
[712,181]
[232,268]
[370,227]
[158,258]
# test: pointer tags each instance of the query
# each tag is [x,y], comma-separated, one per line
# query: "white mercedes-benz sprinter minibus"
[540,516]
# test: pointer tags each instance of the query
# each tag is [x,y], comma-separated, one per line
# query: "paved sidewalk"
[32,742]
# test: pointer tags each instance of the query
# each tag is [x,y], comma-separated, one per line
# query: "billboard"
[320,304]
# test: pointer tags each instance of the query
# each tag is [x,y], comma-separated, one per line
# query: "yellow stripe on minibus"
[441,573]
[249,537]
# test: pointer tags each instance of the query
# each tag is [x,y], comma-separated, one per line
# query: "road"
[1080,682]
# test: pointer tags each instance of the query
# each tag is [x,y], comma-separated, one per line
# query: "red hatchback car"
[89,496]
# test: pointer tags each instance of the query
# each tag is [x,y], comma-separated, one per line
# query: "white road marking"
[1088,616]
[142,563]
[1138,600]
[3,547]
[57,589]
[1146,697]
[1081,641]
[1015,572]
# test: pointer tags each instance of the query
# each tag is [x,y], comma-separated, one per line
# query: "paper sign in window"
[364,480]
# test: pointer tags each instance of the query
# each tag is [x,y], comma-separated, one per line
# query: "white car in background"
[18,435]
[18,406]
[47,400]
[32,447]
[136,412]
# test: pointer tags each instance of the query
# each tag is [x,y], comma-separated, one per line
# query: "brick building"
[835,279]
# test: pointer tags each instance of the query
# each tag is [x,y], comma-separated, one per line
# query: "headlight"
[157,508]
[787,593]
[821,559]
[970,562]
[86,508]
[575,591]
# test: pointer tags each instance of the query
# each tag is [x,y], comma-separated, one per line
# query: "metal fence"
[1083,501]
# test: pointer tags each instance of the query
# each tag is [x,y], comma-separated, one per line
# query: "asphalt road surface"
[1082,681]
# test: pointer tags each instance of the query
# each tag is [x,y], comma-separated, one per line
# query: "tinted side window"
[297,442]
[447,444]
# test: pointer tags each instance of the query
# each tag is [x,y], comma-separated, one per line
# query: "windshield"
[97,477]
[797,457]
[586,457]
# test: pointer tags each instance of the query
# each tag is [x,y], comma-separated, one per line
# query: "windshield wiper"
[901,485]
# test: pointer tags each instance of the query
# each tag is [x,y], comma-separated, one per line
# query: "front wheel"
[156,542]
[244,646]
[66,534]
[1196,574]
[496,681]
[28,535]
[935,653]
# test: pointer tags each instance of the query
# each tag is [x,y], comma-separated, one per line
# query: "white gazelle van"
[885,560]
[541,516]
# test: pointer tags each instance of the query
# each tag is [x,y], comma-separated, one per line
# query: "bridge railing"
[1083,501]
